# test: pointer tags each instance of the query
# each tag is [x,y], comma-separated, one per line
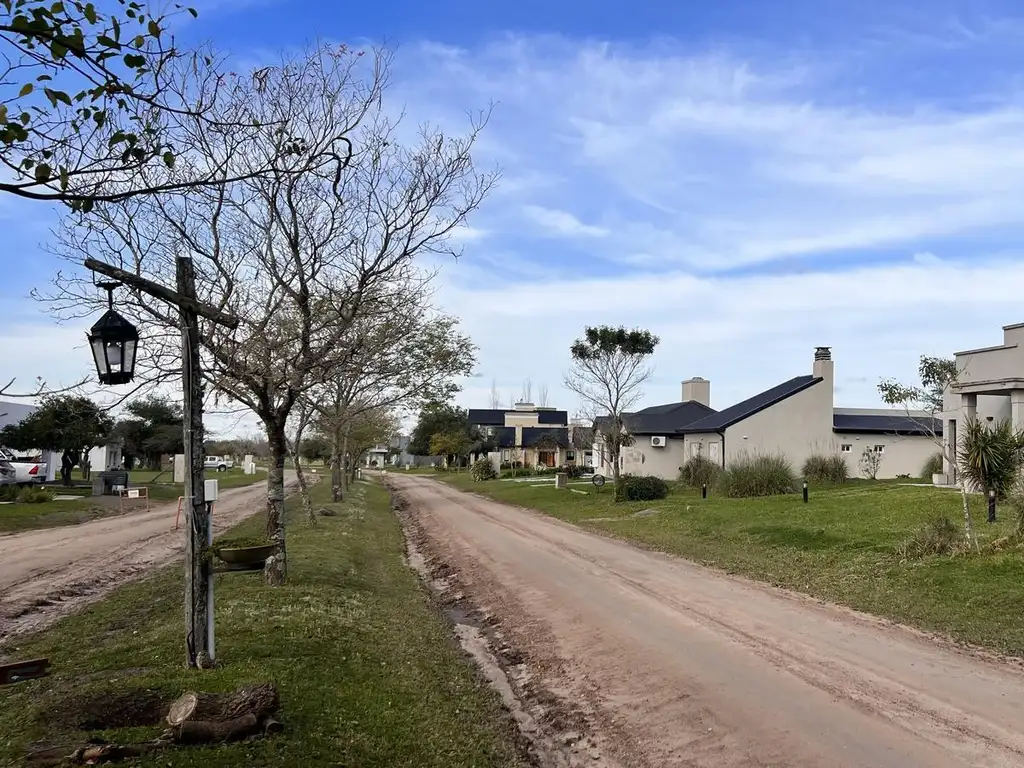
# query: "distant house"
[395,453]
[989,386]
[796,419]
[529,434]
[100,457]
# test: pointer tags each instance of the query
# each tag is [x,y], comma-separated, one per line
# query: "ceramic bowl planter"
[244,554]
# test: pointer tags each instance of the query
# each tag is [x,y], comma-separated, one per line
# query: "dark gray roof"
[716,422]
[884,424]
[14,413]
[661,419]
[495,417]
[560,418]
[534,435]
[487,417]
[583,437]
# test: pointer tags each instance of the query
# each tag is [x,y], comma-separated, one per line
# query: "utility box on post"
[212,488]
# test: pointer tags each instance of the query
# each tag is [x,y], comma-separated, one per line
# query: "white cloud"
[561,223]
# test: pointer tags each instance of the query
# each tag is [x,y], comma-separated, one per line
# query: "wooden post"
[197,521]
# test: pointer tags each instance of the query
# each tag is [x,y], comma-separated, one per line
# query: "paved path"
[46,574]
[680,665]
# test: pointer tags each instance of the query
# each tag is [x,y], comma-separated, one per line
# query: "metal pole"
[197,523]
[209,574]
[805,491]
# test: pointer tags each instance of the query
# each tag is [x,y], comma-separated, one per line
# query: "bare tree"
[412,356]
[297,257]
[870,463]
[302,416]
[609,369]
[923,404]
[542,395]
[495,395]
[527,392]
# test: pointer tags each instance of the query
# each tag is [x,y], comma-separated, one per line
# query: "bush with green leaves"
[940,536]
[990,455]
[640,488]
[830,470]
[483,469]
[757,475]
[699,471]
[572,470]
[9,492]
[34,495]
[933,466]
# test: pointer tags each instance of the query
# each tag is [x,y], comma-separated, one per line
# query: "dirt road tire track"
[50,573]
[691,667]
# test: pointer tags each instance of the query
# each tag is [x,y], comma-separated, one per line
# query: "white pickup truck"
[220,463]
[26,471]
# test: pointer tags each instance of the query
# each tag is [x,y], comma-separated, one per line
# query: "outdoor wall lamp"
[114,342]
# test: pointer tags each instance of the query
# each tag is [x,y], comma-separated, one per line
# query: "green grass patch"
[367,669]
[52,514]
[844,546]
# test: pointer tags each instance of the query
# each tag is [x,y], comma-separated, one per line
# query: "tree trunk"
[968,522]
[276,570]
[307,502]
[348,465]
[337,481]
[198,568]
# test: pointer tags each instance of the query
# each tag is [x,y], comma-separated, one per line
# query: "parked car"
[7,474]
[27,471]
[220,463]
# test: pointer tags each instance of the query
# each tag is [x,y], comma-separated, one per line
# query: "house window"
[570,455]
[846,448]
[879,449]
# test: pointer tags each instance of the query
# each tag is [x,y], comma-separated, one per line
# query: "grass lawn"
[51,514]
[840,547]
[367,669]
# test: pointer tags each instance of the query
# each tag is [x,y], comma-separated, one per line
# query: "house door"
[547,458]
[715,452]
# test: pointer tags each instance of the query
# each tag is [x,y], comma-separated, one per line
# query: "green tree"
[451,445]
[991,455]
[153,429]
[62,423]
[609,367]
[437,418]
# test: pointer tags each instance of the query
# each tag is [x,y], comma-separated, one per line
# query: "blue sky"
[747,179]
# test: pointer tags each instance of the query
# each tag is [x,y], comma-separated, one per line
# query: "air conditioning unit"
[658,441]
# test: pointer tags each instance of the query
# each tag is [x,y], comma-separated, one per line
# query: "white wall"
[902,454]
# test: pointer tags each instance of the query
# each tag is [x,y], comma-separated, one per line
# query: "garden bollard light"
[992,506]
[805,491]
[704,491]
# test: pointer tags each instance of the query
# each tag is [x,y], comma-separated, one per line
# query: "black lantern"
[113,341]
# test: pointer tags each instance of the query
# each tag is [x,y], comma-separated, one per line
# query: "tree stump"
[205,718]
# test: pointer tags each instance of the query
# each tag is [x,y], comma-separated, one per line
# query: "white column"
[1017,409]
[969,406]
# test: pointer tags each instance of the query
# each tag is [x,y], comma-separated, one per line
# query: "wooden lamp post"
[114,344]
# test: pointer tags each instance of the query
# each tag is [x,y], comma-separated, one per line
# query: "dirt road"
[49,573]
[673,664]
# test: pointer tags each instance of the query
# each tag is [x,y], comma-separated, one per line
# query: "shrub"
[574,472]
[483,469]
[940,536]
[826,469]
[870,463]
[699,470]
[640,488]
[933,466]
[749,476]
[991,456]
[32,495]
[8,493]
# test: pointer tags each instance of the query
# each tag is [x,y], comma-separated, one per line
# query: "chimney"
[521,406]
[823,365]
[697,389]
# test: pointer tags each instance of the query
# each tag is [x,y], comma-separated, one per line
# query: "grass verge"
[367,669]
[52,514]
[843,546]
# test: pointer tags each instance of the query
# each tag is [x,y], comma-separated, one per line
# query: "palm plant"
[991,455]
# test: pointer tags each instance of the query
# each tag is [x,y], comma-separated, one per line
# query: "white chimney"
[823,365]
[524,406]
[697,389]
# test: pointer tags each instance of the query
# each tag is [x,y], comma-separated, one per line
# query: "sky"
[748,180]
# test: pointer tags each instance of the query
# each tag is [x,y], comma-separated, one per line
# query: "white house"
[797,419]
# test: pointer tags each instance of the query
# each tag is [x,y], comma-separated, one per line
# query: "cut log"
[258,701]
[215,732]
